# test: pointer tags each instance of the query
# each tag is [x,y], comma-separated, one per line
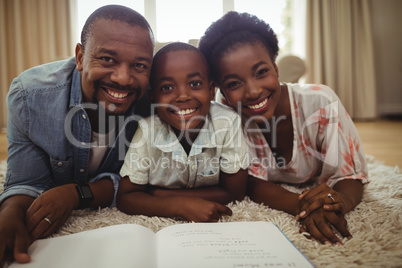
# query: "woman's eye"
[262,72]
[232,85]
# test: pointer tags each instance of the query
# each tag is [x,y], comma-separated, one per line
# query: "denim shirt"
[49,132]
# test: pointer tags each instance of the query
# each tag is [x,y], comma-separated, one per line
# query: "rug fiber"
[376,223]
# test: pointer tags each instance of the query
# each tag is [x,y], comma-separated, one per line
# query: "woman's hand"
[318,225]
[50,210]
[324,197]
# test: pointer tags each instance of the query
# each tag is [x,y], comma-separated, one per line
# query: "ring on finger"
[332,198]
[48,220]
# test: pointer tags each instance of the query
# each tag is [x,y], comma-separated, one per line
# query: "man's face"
[115,65]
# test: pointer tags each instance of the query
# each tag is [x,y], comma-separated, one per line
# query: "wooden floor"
[382,139]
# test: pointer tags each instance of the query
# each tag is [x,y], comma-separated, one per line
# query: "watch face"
[86,191]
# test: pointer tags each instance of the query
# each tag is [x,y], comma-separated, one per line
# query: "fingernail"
[303,213]
[297,217]
[327,243]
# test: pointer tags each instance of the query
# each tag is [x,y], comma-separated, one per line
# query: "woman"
[298,134]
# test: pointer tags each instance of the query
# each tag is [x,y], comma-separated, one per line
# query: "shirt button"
[83,143]
[82,170]
[84,116]
[59,164]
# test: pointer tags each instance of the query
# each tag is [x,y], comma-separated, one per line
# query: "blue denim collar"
[76,91]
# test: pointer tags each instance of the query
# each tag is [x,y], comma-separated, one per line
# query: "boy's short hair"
[118,13]
[172,47]
[235,29]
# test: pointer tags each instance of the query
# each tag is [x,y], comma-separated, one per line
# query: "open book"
[230,244]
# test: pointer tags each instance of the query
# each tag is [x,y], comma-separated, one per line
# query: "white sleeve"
[137,160]
[235,155]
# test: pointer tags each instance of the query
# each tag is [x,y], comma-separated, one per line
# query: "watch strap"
[84,194]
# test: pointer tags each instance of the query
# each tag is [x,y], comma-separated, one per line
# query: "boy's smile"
[181,89]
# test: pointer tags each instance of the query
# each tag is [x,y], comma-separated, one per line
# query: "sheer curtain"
[32,32]
[340,53]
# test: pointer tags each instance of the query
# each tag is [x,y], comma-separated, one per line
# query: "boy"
[190,158]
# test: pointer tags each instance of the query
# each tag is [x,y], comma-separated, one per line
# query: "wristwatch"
[85,195]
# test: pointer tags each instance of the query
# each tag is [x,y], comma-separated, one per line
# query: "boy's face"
[181,89]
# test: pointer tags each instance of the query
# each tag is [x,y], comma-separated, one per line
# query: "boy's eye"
[195,83]
[165,88]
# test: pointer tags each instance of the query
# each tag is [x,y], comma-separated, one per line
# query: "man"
[69,126]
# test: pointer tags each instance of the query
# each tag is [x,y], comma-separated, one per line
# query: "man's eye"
[107,59]
[141,66]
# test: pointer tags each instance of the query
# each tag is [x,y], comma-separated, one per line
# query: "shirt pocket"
[62,171]
[209,176]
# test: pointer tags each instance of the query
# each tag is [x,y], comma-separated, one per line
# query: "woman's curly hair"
[235,29]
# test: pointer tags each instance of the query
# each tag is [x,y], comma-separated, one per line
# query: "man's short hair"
[118,13]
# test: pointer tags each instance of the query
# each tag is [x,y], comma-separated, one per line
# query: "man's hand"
[201,210]
[14,235]
[50,210]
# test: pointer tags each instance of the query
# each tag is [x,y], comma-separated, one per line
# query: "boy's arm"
[133,199]
[231,187]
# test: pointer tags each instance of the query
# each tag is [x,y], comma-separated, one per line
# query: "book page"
[114,246]
[230,244]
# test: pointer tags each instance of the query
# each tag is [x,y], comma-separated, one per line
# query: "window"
[182,20]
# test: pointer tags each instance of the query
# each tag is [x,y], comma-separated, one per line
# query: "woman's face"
[249,81]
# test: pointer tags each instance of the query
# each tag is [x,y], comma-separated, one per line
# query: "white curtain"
[340,53]
[32,32]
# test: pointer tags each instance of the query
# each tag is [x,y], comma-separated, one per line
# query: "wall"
[387,21]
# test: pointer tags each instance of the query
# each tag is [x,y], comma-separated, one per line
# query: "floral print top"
[326,145]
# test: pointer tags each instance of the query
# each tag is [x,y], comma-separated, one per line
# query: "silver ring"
[48,220]
[330,196]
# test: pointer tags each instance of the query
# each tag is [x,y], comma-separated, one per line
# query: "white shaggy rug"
[376,223]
